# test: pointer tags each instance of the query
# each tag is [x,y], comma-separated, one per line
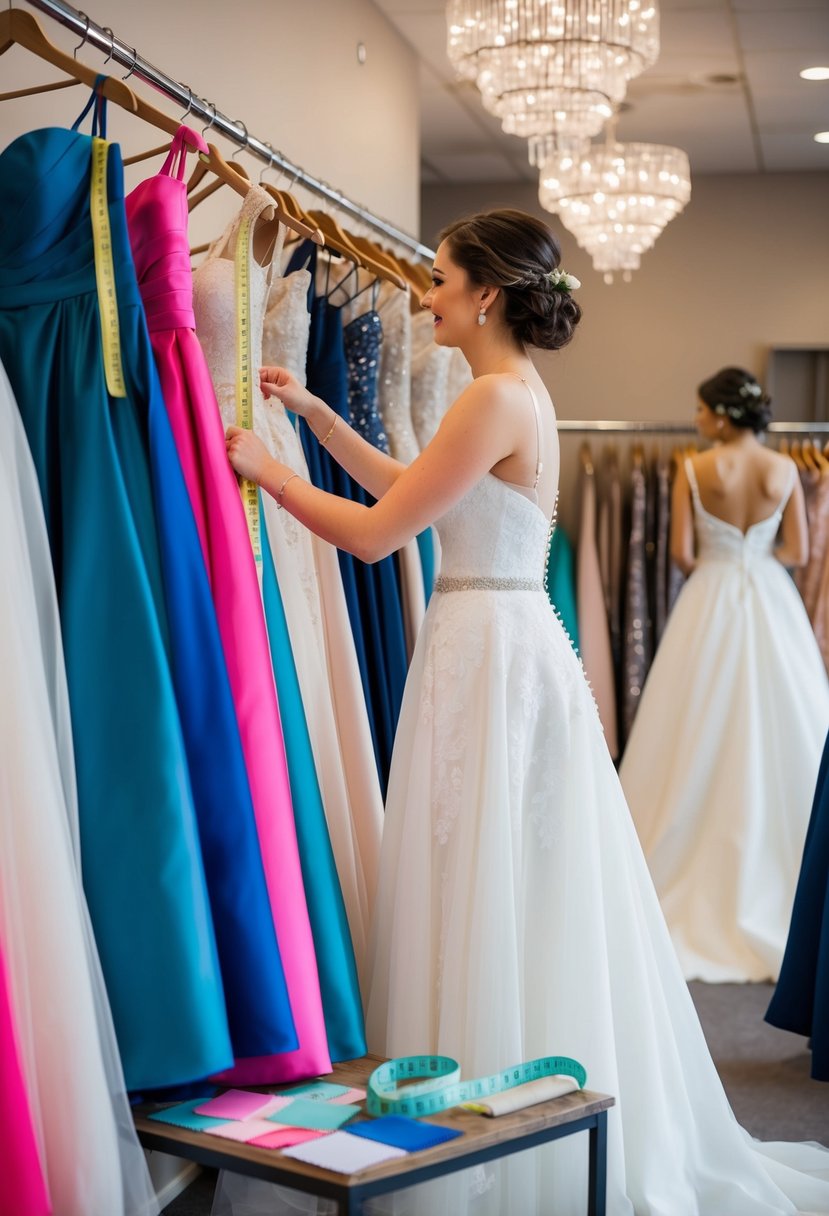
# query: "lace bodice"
[395,395]
[494,531]
[430,376]
[718,540]
[288,323]
[214,302]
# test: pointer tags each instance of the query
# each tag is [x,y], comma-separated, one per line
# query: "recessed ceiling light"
[815,74]
[822,137]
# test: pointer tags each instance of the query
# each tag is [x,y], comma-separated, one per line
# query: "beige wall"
[288,70]
[745,267]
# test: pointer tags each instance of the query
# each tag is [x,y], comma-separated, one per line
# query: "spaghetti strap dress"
[258,1008]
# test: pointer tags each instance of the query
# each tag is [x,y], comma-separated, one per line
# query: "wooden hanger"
[39,88]
[224,173]
[289,219]
[335,238]
[820,458]
[382,264]
[19,27]
[586,458]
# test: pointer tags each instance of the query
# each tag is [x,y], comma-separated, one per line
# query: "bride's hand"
[247,453]
[279,382]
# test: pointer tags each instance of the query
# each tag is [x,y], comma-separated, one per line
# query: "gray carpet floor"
[765,1073]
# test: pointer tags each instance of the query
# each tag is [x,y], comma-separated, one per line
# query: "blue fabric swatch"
[402,1132]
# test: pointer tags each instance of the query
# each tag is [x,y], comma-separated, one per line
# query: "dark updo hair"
[736,395]
[517,252]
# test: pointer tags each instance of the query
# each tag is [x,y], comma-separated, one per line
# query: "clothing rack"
[589,427]
[116,49]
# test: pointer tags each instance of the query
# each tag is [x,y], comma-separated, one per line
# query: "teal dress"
[561,583]
[142,863]
[337,968]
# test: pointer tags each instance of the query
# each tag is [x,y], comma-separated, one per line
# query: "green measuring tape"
[442,1086]
[105,270]
[244,384]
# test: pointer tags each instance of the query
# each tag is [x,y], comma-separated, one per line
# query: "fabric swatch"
[184,1115]
[402,1132]
[236,1104]
[243,1130]
[313,1113]
[350,1095]
[343,1153]
[285,1137]
[317,1091]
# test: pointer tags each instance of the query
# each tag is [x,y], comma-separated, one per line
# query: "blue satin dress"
[801,999]
[141,856]
[339,986]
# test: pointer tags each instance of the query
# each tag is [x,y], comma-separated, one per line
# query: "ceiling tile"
[789,29]
[787,151]
[463,166]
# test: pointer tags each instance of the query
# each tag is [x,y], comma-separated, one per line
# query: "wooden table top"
[480,1132]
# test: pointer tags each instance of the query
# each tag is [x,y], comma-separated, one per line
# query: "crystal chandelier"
[554,68]
[616,198]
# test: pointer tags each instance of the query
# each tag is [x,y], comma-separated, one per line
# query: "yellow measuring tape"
[105,271]
[245,384]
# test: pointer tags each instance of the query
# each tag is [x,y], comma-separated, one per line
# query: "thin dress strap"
[692,478]
[539,467]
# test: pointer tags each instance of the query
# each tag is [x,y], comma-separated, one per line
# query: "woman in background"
[721,764]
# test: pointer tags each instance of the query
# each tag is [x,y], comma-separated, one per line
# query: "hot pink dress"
[157,214]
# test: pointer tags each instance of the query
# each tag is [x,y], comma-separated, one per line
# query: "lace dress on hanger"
[340,735]
[720,768]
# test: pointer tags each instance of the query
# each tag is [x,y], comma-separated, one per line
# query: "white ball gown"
[721,765]
[516,917]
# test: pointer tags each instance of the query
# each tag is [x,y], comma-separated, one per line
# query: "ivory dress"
[516,917]
[721,765]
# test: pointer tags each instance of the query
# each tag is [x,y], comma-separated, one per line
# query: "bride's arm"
[374,470]
[477,432]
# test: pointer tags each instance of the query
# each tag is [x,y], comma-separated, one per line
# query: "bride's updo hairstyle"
[736,395]
[518,253]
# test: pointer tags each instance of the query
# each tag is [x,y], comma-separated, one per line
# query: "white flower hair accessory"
[750,390]
[733,411]
[560,280]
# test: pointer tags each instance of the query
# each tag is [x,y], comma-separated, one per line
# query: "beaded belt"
[480,583]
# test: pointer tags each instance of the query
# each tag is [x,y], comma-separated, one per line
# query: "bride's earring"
[720,424]
[482,316]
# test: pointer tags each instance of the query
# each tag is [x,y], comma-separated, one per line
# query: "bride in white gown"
[721,765]
[515,915]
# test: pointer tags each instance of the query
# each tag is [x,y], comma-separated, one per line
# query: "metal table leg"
[597,1172]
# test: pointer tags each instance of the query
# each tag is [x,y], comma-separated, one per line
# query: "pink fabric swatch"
[243,1130]
[346,1099]
[285,1137]
[237,1104]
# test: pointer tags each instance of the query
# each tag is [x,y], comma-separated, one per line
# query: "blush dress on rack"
[142,864]
[259,1012]
[516,917]
[721,766]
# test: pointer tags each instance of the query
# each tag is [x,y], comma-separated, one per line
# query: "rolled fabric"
[530,1094]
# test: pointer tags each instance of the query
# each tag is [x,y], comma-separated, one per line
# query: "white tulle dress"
[721,765]
[89,1151]
[516,917]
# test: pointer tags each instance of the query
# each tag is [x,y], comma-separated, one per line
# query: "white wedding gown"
[516,917]
[721,765]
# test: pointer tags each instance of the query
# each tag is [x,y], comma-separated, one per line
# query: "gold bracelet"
[331,432]
[281,491]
